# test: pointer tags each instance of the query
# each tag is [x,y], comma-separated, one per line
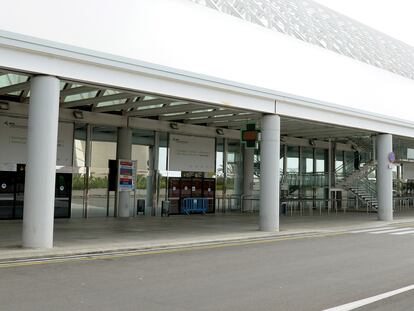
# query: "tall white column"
[248,177]
[269,173]
[384,177]
[123,151]
[149,198]
[156,209]
[39,194]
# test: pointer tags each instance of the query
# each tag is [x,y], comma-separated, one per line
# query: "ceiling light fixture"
[174,125]
[220,131]
[4,106]
[78,114]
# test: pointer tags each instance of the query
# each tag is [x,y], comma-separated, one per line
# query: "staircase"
[366,193]
[357,182]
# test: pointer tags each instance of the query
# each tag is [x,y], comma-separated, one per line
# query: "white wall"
[183,35]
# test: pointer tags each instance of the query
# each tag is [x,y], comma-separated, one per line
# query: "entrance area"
[192,158]
[12,194]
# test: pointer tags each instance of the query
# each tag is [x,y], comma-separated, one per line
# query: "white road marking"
[372,229]
[389,231]
[367,301]
[405,232]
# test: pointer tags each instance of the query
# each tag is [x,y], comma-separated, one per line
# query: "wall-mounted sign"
[191,154]
[126,175]
[250,135]
[391,157]
[13,137]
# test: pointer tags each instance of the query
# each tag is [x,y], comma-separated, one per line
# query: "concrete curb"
[27,255]
[101,251]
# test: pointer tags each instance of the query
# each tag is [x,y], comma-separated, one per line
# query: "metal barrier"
[194,205]
[229,203]
[308,206]
[402,204]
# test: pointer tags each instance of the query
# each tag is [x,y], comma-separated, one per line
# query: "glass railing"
[306,179]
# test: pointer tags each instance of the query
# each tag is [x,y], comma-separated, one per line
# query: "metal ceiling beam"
[127,105]
[162,110]
[76,90]
[14,88]
[136,104]
[224,119]
[187,116]
[91,101]
[231,125]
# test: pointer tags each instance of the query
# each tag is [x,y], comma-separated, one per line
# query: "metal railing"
[305,179]
[228,203]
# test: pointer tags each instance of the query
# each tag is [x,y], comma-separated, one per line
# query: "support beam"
[76,90]
[123,152]
[162,110]
[384,177]
[185,116]
[95,100]
[269,173]
[127,105]
[149,199]
[225,119]
[14,88]
[39,194]
[248,178]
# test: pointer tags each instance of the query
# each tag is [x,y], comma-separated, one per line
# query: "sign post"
[126,179]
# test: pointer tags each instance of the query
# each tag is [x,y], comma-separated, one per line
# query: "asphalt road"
[301,274]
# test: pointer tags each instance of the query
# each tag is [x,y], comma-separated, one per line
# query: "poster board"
[127,171]
[13,138]
[191,153]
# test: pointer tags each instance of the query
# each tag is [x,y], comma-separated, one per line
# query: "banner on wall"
[191,153]
[13,137]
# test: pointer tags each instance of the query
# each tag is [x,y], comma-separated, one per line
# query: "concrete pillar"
[224,191]
[248,177]
[384,177]
[149,199]
[124,151]
[156,209]
[269,173]
[88,164]
[39,194]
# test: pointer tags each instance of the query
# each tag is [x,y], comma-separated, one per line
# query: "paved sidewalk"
[82,236]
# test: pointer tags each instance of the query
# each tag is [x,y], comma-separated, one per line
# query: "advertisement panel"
[191,153]
[126,175]
[13,137]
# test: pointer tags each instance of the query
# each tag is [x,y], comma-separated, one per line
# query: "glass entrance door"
[6,195]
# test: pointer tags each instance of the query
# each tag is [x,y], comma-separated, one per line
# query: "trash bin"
[141,206]
[283,208]
[165,208]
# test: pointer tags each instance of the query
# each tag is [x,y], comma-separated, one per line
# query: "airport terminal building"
[148,108]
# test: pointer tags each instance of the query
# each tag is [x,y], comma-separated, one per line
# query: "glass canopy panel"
[12,79]
[112,102]
[81,96]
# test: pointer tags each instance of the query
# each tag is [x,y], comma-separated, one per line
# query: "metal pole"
[88,154]
[225,150]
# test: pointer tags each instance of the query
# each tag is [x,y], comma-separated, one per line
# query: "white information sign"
[13,137]
[127,173]
[191,153]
